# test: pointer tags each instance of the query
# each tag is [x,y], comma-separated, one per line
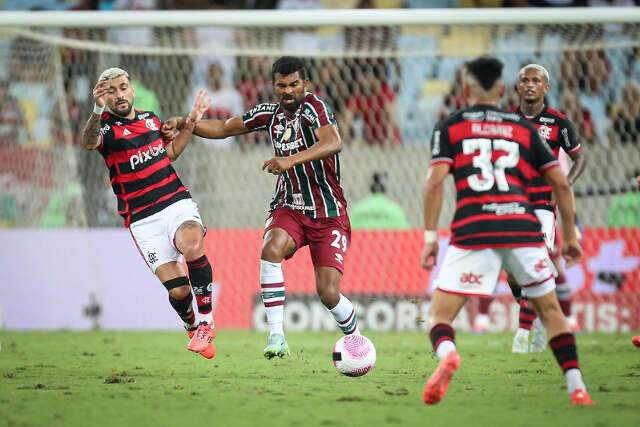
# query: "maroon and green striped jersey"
[493,156]
[314,187]
[555,129]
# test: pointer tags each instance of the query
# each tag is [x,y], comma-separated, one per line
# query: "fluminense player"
[308,207]
[555,130]
[493,155]
[156,206]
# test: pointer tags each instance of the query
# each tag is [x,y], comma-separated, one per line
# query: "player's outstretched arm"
[432,194]
[200,106]
[212,129]
[329,143]
[91,131]
[564,198]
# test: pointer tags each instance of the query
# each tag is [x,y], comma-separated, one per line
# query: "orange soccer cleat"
[436,388]
[581,398]
[201,341]
[636,340]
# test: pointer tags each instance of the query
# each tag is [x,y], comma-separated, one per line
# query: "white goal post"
[324,18]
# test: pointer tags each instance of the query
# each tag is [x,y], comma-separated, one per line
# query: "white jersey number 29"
[491,172]
[339,239]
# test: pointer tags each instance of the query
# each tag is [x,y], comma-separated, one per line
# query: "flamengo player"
[163,220]
[555,129]
[493,155]
[308,207]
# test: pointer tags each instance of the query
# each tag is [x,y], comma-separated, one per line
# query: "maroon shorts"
[328,238]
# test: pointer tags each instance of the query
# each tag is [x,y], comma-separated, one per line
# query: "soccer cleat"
[201,338]
[276,346]
[520,342]
[209,352]
[436,388]
[581,398]
[539,337]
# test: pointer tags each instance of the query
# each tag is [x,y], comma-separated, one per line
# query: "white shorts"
[475,272]
[154,235]
[548,221]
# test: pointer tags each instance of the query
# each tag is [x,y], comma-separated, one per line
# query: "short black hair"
[286,65]
[486,70]
[378,184]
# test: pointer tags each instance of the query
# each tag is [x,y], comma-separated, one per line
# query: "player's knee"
[273,252]
[189,240]
[192,247]
[178,288]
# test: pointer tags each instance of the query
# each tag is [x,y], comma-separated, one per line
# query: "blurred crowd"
[295,4]
[384,99]
[381,100]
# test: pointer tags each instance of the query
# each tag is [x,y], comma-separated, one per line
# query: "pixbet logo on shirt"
[142,156]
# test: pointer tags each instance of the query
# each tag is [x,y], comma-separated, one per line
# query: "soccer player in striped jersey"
[308,207]
[493,155]
[555,130]
[157,208]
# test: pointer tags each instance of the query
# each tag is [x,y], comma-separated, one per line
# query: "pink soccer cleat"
[202,340]
[581,398]
[436,388]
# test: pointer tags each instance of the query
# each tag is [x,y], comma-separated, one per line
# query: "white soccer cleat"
[521,342]
[539,337]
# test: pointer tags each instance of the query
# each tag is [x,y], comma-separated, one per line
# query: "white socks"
[345,316]
[445,348]
[272,285]
[574,380]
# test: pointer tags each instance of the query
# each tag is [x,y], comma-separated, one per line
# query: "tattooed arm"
[91,132]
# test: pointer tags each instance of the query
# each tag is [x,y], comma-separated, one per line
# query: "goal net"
[388,86]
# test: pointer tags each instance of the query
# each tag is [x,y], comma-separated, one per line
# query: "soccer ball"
[354,355]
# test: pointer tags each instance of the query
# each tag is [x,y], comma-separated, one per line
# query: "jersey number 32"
[491,172]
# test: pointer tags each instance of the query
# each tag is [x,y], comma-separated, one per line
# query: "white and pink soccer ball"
[354,355]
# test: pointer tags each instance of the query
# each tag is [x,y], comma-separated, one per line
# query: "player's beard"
[291,107]
[123,112]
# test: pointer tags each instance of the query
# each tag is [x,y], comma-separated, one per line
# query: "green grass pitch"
[148,378]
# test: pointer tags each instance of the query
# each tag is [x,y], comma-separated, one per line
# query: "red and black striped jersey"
[494,155]
[313,188]
[556,130]
[141,174]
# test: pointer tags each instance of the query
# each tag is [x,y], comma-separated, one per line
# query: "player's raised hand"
[99,91]
[429,255]
[200,106]
[169,128]
[571,251]
[277,165]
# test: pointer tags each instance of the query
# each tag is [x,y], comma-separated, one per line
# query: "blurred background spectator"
[226,101]
[378,211]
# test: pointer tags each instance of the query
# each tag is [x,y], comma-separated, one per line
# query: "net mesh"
[388,87]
